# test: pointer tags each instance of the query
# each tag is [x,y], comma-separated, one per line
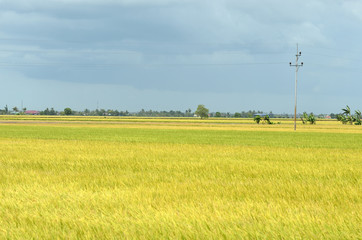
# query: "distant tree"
[251,113]
[347,110]
[308,118]
[6,109]
[15,109]
[218,114]
[188,112]
[348,117]
[237,115]
[45,112]
[142,112]
[202,111]
[52,112]
[321,115]
[257,119]
[304,118]
[311,119]
[110,112]
[122,113]
[67,111]
[358,118]
[342,118]
[266,119]
[101,112]
[86,112]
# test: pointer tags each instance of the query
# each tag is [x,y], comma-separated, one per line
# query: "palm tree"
[347,113]
[342,118]
[358,117]
[347,117]
[358,113]
[347,110]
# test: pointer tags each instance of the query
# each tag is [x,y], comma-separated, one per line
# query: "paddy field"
[144,178]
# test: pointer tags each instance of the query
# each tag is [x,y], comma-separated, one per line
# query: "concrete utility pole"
[296,65]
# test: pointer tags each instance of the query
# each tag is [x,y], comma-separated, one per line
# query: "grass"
[174,180]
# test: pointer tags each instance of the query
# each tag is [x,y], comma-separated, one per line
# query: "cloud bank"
[191,48]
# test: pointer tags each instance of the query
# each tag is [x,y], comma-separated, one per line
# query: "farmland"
[90,178]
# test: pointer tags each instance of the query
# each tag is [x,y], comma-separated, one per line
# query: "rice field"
[124,178]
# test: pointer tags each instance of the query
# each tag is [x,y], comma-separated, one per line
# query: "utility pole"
[296,65]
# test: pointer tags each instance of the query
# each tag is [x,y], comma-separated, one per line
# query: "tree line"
[347,116]
[201,111]
[141,113]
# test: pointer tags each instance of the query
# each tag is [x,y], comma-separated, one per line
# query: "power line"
[133,64]
[336,57]
[135,52]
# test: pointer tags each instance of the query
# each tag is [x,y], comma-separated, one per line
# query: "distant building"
[32,112]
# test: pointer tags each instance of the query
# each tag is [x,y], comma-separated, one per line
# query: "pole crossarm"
[297,66]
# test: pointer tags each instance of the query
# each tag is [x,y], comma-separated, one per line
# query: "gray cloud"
[219,47]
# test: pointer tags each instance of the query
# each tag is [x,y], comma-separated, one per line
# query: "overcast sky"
[230,55]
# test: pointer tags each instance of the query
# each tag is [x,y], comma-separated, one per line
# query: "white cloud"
[354,7]
[54,4]
[306,33]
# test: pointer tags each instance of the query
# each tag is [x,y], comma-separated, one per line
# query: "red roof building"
[32,112]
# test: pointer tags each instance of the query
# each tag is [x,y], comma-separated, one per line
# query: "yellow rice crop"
[179,181]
